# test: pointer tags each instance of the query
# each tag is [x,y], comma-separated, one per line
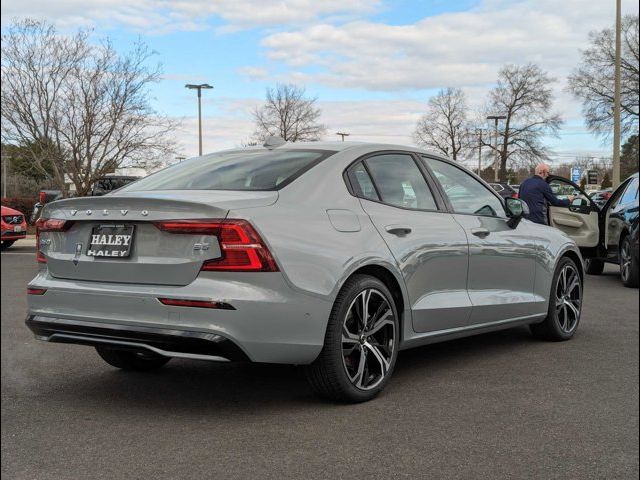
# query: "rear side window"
[240,170]
[362,183]
[400,182]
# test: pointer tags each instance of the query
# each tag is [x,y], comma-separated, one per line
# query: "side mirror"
[516,210]
[579,202]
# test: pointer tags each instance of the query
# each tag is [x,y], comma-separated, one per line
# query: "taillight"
[242,248]
[36,291]
[49,225]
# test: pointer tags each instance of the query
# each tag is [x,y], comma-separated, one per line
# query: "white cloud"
[450,49]
[160,16]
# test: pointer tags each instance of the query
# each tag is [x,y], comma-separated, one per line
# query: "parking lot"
[500,405]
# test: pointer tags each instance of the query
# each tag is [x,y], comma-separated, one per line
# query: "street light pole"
[342,134]
[199,88]
[496,165]
[479,132]
[616,102]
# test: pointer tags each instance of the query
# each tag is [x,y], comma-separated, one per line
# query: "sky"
[372,64]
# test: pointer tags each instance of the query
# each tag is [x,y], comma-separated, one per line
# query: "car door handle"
[480,232]
[398,230]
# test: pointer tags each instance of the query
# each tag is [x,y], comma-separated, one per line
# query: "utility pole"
[496,166]
[479,133]
[199,88]
[616,101]
[342,134]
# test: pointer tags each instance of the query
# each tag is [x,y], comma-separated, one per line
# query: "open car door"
[581,220]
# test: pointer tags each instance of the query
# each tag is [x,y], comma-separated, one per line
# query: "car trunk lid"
[155,256]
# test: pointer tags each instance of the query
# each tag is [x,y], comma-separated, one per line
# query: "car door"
[501,259]
[580,220]
[617,213]
[428,245]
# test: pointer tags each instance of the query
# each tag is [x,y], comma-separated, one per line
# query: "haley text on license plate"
[113,241]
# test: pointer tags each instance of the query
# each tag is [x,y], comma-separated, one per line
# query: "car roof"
[337,146]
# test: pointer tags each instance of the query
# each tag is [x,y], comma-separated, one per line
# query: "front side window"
[239,170]
[466,194]
[400,182]
[562,189]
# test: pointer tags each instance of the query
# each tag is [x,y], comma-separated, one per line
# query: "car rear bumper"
[167,342]
[270,322]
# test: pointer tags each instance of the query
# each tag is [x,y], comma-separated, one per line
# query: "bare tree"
[444,127]
[289,114]
[85,106]
[524,96]
[593,80]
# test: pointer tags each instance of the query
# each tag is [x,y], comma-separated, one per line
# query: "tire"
[131,360]
[565,304]
[355,364]
[594,266]
[7,243]
[629,270]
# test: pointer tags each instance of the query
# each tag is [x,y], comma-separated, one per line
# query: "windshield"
[238,170]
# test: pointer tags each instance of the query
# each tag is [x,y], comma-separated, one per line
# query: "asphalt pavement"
[495,406]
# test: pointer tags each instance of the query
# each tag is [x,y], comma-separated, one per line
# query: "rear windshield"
[239,170]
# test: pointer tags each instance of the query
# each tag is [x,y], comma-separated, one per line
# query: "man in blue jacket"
[536,192]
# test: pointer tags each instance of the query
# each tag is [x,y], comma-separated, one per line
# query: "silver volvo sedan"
[330,255]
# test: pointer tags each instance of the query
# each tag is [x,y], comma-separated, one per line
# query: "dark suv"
[604,235]
[619,219]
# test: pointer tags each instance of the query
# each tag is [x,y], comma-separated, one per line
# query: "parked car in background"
[600,197]
[102,186]
[619,220]
[14,226]
[109,183]
[605,235]
[591,189]
[331,255]
[44,197]
[504,190]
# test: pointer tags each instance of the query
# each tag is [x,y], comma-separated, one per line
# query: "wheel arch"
[623,234]
[392,280]
[577,259]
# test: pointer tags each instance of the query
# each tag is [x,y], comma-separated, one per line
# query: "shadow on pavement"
[212,388]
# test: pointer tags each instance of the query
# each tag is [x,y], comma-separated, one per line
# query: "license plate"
[111,241]
[17,228]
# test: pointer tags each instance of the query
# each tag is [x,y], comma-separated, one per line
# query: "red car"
[14,226]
